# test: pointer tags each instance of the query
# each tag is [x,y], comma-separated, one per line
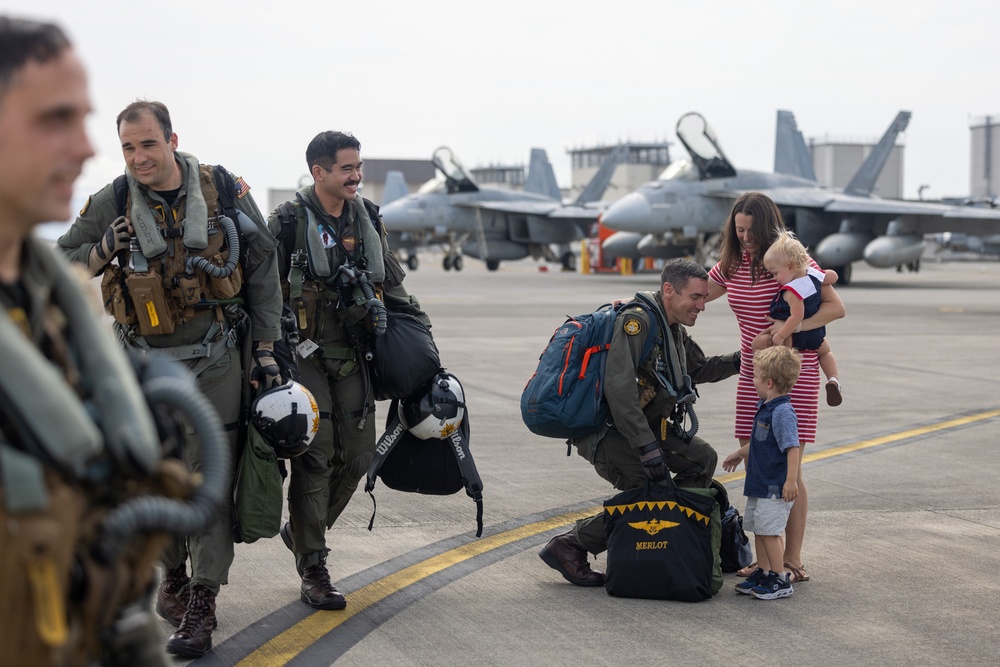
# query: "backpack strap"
[293,240]
[226,187]
[394,431]
[373,213]
[120,185]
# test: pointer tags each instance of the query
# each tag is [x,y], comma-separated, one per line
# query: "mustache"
[349,183]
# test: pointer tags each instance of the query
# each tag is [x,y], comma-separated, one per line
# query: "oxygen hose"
[233,243]
[166,514]
[679,421]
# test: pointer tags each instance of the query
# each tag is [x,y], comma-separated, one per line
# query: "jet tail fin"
[395,187]
[541,179]
[790,153]
[599,183]
[863,181]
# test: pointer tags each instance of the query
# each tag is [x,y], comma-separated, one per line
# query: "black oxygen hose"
[232,241]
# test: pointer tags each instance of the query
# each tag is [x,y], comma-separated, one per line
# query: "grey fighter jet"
[496,225]
[682,213]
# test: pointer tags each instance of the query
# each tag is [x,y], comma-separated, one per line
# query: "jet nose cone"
[631,213]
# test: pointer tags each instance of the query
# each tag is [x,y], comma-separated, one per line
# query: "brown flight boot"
[193,638]
[171,597]
[564,554]
[317,590]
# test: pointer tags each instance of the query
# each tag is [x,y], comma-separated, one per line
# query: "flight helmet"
[437,411]
[288,418]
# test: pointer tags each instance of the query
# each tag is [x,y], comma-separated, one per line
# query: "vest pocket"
[150,303]
[304,309]
[228,287]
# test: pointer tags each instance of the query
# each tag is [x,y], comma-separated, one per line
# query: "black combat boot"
[171,597]
[317,590]
[193,638]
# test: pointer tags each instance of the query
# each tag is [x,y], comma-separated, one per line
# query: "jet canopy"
[456,178]
[680,170]
[699,140]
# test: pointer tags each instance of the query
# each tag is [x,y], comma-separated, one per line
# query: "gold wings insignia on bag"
[654,526]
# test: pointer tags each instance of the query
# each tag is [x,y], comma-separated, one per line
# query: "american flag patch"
[242,188]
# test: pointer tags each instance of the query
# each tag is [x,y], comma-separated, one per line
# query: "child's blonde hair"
[780,364]
[787,249]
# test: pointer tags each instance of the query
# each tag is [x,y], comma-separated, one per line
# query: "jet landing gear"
[568,261]
[452,262]
[412,262]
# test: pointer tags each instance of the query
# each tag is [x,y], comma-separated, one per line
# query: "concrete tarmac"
[903,537]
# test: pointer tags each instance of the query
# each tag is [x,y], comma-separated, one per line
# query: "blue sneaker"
[756,577]
[772,587]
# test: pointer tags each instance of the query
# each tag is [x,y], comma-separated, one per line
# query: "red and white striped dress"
[750,304]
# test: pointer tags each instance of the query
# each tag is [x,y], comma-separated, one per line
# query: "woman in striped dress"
[752,226]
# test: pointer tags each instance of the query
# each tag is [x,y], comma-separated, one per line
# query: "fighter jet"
[682,213]
[497,225]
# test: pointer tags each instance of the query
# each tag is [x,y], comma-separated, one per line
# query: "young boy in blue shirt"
[772,468]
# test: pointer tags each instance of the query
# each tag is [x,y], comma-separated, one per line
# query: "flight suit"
[220,377]
[642,411]
[325,477]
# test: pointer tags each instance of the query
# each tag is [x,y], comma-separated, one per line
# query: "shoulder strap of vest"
[121,194]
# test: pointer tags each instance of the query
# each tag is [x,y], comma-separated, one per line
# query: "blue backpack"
[565,396]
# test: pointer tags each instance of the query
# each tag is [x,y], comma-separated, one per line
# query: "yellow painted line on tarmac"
[287,645]
[291,642]
[881,440]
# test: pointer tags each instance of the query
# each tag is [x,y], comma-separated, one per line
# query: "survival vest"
[564,398]
[79,453]
[156,294]
[301,289]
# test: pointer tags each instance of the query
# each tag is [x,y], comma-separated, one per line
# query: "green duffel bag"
[715,523]
[257,492]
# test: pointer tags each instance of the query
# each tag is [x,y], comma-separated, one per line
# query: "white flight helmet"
[437,412]
[288,418]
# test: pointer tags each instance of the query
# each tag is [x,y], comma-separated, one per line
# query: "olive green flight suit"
[641,412]
[222,381]
[325,477]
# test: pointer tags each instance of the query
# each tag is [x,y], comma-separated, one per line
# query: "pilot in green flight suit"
[334,229]
[181,292]
[645,440]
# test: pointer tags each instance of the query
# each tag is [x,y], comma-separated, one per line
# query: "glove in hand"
[115,239]
[265,373]
[652,463]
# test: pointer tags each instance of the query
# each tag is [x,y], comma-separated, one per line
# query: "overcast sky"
[250,83]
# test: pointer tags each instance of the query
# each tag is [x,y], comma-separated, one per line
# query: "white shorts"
[766,516]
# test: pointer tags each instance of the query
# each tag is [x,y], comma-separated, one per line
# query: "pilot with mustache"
[646,438]
[336,270]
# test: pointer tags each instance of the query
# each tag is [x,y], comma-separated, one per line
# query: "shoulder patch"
[86,206]
[242,188]
[632,327]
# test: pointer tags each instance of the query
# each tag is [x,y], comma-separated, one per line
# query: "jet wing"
[539,208]
[922,216]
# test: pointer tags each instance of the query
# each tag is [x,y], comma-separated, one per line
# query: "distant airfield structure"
[984,171]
